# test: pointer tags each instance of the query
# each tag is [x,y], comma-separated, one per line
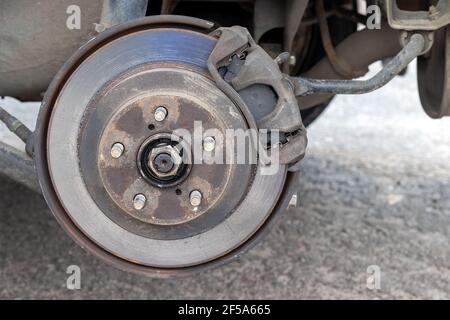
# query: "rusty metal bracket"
[435,18]
[247,64]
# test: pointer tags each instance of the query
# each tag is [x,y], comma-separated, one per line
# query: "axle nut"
[165,161]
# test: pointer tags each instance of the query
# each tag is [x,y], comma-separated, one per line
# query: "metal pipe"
[414,48]
[14,125]
[368,51]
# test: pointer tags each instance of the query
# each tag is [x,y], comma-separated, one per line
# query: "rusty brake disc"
[106,153]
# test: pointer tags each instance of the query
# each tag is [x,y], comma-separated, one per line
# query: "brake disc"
[108,151]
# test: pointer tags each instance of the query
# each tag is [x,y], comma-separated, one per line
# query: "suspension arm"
[416,46]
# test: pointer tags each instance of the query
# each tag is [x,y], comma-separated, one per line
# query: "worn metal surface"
[44,116]
[226,237]
[256,67]
[415,46]
[436,17]
[433,74]
[117,116]
[120,11]
[369,52]
[36,41]
[295,10]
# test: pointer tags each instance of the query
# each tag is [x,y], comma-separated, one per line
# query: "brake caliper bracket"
[237,62]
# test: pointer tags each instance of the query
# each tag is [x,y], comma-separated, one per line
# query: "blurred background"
[375,190]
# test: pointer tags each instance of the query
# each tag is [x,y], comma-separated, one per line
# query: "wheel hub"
[149,142]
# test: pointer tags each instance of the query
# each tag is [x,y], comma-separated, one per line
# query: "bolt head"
[117,150]
[139,201]
[168,154]
[195,198]
[209,143]
[160,114]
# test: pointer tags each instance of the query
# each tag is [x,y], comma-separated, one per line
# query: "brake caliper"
[239,66]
